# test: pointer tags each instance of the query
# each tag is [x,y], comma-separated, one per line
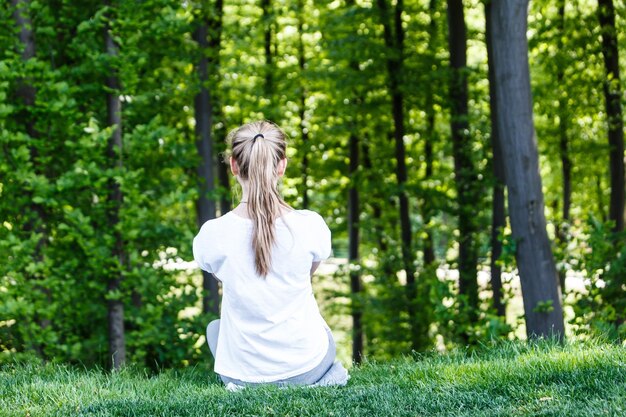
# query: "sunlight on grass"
[507,378]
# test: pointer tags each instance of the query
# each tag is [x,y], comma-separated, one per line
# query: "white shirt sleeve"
[206,251]
[322,246]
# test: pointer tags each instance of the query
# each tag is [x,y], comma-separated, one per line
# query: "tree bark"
[353,250]
[566,163]
[465,175]
[206,205]
[612,97]
[354,211]
[498,216]
[427,209]
[27,39]
[222,166]
[540,287]
[215,24]
[117,341]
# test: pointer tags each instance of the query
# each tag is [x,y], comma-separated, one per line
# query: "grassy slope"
[509,380]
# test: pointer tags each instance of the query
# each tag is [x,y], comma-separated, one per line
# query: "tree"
[117,341]
[37,213]
[498,214]
[354,212]
[427,206]
[613,97]
[269,48]
[207,35]
[393,34]
[215,29]
[540,288]
[564,145]
[353,250]
[464,171]
[73,169]
[304,130]
[366,94]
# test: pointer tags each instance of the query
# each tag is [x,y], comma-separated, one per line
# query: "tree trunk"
[540,287]
[394,41]
[498,217]
[353,250]
[267,45]
[600,199]
[117,341]
[464,170]
[268,87]
[26,92]
[215,24]
[427,209]
[222,166]
[305,162]
[612,97]
[205,206]
[354,211]
[566,163]
[27,39]
[302,111]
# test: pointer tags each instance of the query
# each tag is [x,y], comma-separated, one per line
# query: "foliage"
[328,81]
[56,188]
[601,308]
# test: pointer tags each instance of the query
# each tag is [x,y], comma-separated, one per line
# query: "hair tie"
[258,135]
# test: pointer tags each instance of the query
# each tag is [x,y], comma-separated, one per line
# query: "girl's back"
[271,328]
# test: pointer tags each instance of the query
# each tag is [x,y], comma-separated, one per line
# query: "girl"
[265,253]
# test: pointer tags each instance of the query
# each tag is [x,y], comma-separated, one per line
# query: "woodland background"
[113,116]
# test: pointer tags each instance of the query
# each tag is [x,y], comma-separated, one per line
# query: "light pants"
[308,378]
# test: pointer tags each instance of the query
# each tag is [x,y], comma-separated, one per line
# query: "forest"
[468,157]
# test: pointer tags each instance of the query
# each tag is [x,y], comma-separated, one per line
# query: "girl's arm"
[314,267]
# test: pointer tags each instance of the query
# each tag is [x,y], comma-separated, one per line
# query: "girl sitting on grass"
[264,253]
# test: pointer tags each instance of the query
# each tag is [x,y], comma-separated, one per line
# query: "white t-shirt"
[271,327]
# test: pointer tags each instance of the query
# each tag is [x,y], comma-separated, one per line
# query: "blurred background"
[113,118]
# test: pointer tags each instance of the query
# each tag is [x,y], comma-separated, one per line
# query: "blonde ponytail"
[258,148]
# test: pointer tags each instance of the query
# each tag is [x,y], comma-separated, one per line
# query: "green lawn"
[513,379]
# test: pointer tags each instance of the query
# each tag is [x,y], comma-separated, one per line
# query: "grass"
[510,379]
